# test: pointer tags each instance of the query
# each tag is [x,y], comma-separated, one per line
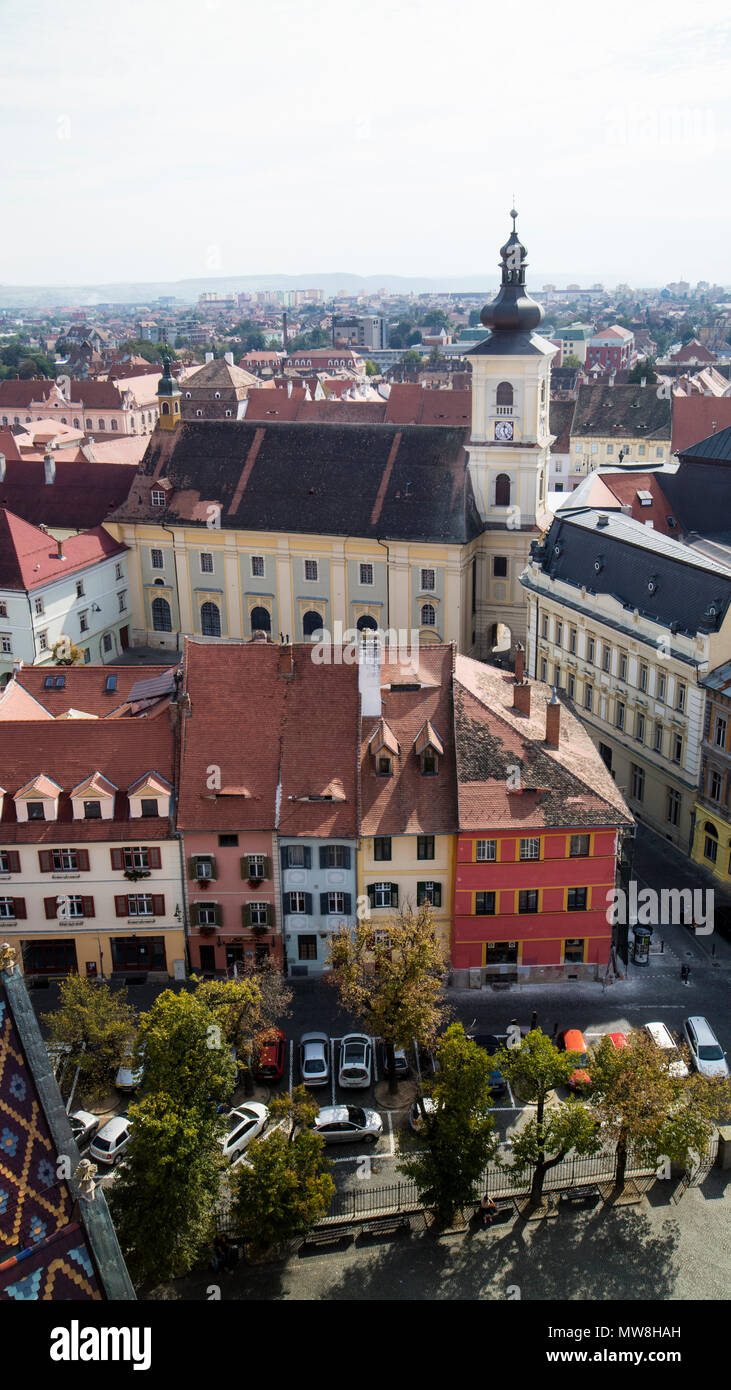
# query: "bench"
[386,1225]
[332,1235]
[503,1212]
[580,1192]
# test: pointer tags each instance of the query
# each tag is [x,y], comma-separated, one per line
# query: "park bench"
[504,1211]
[329,1235]
[580,1192]
[386,1225]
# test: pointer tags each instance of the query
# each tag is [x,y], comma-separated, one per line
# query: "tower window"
[502,490]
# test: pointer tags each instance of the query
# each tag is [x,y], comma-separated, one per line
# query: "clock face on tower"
[504,429]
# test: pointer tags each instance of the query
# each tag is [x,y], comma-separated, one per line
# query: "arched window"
[101,425]
[76,424]
[311,623]
[428,615]
[261,620]
[165,408]
[504,393]
[210,620]
[502,490]
[710,848]
[367,624]
[161,619]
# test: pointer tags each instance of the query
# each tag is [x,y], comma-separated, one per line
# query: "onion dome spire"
[512,309]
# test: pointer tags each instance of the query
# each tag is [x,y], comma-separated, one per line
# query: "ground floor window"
[307,947]
[234,955]
[501,953]
[573,951]
[49,957]
[138,953]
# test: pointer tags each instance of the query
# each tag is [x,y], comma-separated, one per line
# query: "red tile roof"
[80,497]
[301,728]
[565,786]
[408,803]
[409,404]
[29,558]
[68,752]
[695,418]
[627,486]
[694,351]
[84,689]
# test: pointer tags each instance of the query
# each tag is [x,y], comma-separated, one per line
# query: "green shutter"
[267,867]
[394,895]
[420,893]
[245,866]
[192,871]
[371,894]
[245,915]
[437,894]
[219,914]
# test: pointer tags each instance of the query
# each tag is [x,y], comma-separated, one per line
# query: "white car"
[356,1052]
[315,1059]
[416,1119]
[340,1124]
[244,1124]
[663,1038]
[111,1141]
[706,1052]
[84,1126]
[129,1076]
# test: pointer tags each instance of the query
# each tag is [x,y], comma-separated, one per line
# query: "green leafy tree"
[36,364]
[236,1006]
[571,360]
[643,1107]
[142,347]
[255,341]
[164,1195]
[474,318]
[644,368]
[436,356]
[410,359]
[299,1109]
[66,653]
[534,1066]
[282,1189]
[186,1055]
[97,1025]
[392,981]
[458,1136]
[372,368]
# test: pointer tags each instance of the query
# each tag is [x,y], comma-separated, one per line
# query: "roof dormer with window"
[38,799]
[429,749]
[384,747]
[93,799]
[149,796]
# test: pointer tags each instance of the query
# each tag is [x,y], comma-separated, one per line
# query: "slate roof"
[296,722]
[636,411]
[219,373]
[562,787]
[509,343]
[54,1244]
[326,479]
[631,556]
[81,496]
[715,448]
[29,558]
[408,803]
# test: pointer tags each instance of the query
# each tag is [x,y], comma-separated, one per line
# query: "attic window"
[652,585]
[110,685]
[405,687]
[645,498]
[384,766]
[599,564]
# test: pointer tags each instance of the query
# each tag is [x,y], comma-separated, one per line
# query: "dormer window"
[36,810]
[157,497]
[384,766]
[148,807]
[149,796]
[92,810]
[428,748]
[429,763]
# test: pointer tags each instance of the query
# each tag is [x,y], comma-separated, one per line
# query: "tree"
[186,1055]
[457,1137]
[282,1189]
[436,356]
[299,1109]
[254,341]
[474,318]
[164,1195]
[236,1006]
[36,364]
[571,360]
[534,1066]
[65,653]
[372,368]
[410,359]
[142,347]
[393,980]
[642,1105]
[97,1025]
[644,369]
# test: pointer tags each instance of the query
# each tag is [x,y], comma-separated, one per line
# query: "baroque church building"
[291,529]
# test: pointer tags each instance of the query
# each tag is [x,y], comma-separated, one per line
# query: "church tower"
[508,448]
[168,395]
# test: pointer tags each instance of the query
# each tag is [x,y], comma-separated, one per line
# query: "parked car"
[244,1124]
[129,1075]
[706,1053]
[618,1040]
[416,1119]
[315,1059]
[401,1062]
[269,1052]
[663,1038]
[340,1124]
[111,1141]
[356,1055]
[492,1044]
[572,1040]
[84,1126]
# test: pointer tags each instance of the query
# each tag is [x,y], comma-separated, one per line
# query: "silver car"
[315,1059]
[84,1126]
[707,1055]
[356,1052]
[340,1124]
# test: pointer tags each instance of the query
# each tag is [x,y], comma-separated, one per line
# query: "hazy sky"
[160,139]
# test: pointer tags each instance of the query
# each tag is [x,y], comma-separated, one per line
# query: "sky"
[158,140]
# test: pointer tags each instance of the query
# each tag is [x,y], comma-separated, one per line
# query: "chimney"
[59,550]
[17,665]
[2,468]
[519,662]
[553,720]
[286,661]
[521,697]
[228,357]
[369,678]
[602,519]
[49,468]
[209,357]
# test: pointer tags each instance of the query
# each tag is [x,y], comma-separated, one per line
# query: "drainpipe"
[177,589]
[388,584]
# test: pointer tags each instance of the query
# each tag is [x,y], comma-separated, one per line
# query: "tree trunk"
[621,1169]
[391,1068]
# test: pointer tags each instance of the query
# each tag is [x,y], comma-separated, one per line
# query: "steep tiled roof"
[14,392]
[565,786]
[85,688]
[408,404]
[219,373]
[29,558]
[408,803]
[292,478]
[621,410]
[698,417]
[652,506]
[694,351]
[81,496]
[561,414]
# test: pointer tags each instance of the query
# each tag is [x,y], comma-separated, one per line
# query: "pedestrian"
[685,973]
[534,1019]
[488,1211]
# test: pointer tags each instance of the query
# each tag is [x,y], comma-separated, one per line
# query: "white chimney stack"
[209,357]
[369,678]
[49,468]
[2,468]
[228,357]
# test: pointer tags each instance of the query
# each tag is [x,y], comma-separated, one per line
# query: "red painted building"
[540,819]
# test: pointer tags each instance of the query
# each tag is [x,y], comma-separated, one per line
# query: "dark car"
[491,1045]
[400,1059]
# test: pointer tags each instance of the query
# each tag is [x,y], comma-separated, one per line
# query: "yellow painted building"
[404,871]
[712,832]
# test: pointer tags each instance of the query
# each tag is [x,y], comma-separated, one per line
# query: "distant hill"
[344,282]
